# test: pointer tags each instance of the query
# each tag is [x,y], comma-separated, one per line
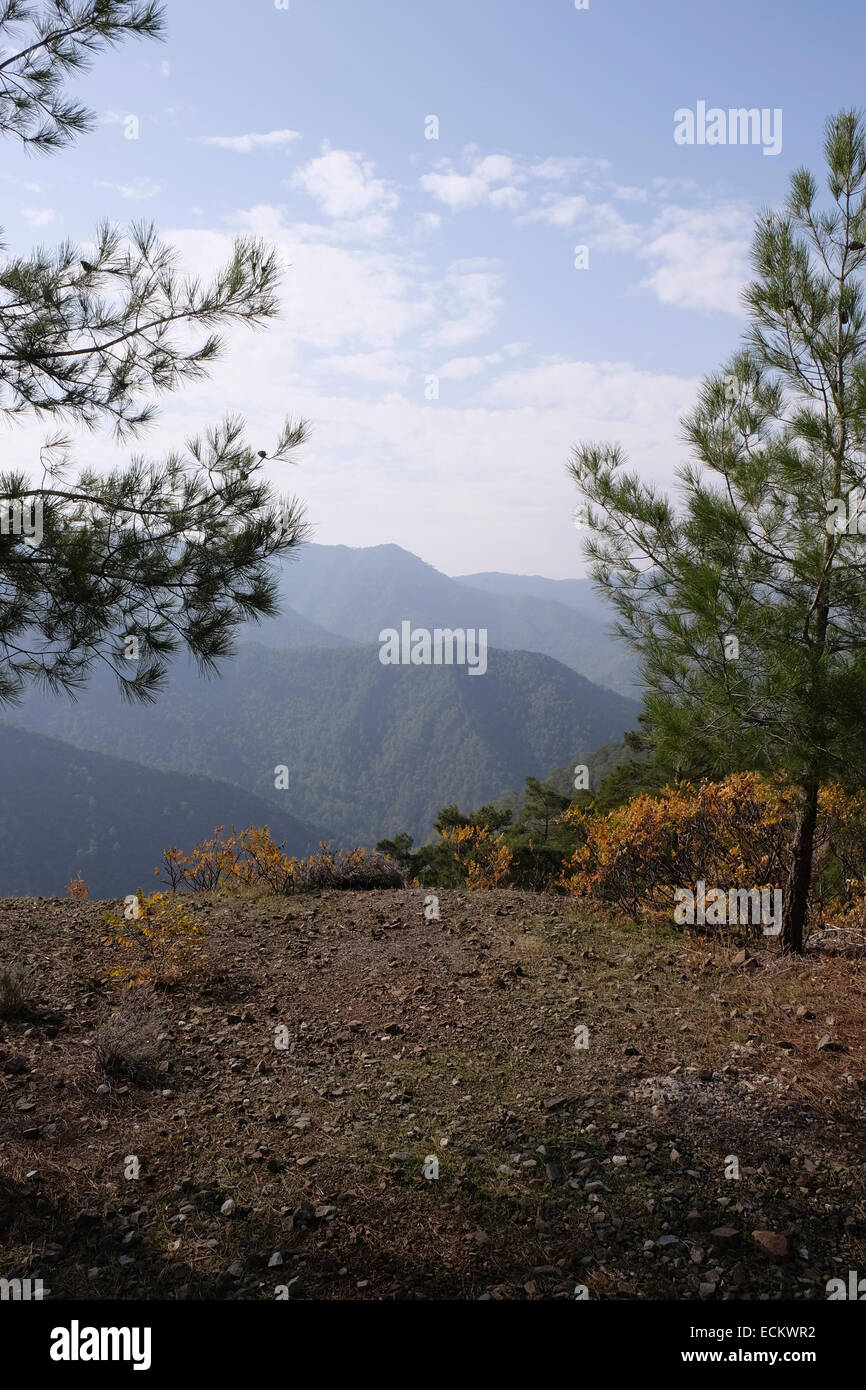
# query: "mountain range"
[356,593]
[370,749]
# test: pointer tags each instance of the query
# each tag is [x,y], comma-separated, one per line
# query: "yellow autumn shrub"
[733,833]
[160,932]
[483,857]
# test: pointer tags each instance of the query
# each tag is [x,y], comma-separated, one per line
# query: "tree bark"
[796,898]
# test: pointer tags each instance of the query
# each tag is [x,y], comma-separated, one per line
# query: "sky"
[427,171]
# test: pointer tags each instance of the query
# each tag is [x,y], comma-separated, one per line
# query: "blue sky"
[411,258]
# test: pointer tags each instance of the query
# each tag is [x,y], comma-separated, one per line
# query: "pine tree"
[746,601]
[542,806]
[125,567]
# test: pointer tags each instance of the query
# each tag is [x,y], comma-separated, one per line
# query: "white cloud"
[471,300]
[460,191]
[476,185]
[513,198]
[456,191]
[244,144]
[495,168]
[335,297]
[361,328]
[462,368]
[165,68]
[605,392]
[629,193]
[669,188]
[379,366]
[38,217]
[345,187]
[137,191]
[701,257]
[559,211]
[385,464]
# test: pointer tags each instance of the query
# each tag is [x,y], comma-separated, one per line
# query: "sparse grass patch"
[127,1045]
[17,986]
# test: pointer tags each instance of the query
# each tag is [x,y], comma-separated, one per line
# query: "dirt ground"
[322,1057]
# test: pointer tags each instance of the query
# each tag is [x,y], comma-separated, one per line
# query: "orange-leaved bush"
[77,888]
[251,859]
[484,858]
[730,834]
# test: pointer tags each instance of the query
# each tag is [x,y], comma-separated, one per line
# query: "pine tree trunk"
[796,899]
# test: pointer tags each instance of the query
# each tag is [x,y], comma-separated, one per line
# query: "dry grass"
[17,987]
[128,1043]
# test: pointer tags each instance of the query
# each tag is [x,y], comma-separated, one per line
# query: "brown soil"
[409,1038]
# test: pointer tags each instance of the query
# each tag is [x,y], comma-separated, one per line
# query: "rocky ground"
[319,1052]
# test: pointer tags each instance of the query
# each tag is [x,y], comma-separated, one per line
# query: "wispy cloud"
[463,368]
[698,256]
[21,183]
[38,217]
[245,144]
[137,191]
[599,223]
[500,180]
[558,168]
[471,299]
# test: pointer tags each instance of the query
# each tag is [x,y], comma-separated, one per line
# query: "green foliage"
[746,552]
[175,554]
[630,778]
[58,39]
[537,843]
[399,849]
[170,555]
[543,805]
[488,817]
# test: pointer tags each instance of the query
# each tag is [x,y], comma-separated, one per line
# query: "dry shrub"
[17,985]
[127,1045]
[251,859]
[352,869]
[78,889]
